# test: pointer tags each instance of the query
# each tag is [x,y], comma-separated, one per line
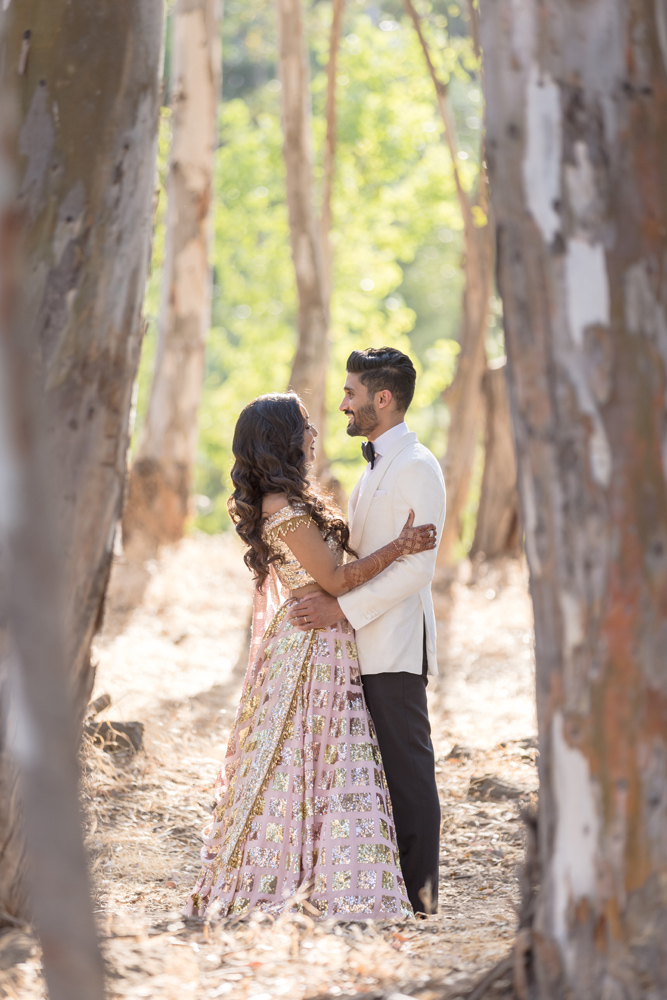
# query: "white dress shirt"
[382,445]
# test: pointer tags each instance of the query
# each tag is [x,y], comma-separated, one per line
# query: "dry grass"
[176,665]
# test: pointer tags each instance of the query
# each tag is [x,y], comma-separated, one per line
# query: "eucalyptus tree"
[160,483]
[86,81]
[498,521]
[577,144]
[309,229]
[464,395]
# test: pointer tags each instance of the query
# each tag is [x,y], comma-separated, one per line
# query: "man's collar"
[385,441]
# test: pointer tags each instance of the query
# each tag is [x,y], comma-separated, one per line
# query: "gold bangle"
[398,549]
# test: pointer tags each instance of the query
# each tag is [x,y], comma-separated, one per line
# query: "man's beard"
[364,421]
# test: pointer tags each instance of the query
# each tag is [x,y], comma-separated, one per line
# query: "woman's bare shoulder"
[273,502]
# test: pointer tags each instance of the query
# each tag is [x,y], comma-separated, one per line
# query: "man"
[393,614]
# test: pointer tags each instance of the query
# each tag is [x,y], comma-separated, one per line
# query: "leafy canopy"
[396,233]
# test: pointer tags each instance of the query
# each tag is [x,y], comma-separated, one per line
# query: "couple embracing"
[326,800]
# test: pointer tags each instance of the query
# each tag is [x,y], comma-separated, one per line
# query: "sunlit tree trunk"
[577,146]
[161,477]
[337,10]
[308,376]
[464,396]
[87,77]
[328,175]
[497,530]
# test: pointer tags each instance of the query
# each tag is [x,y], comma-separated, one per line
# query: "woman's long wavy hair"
[269,458]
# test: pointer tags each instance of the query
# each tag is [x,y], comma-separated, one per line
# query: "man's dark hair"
[385,368]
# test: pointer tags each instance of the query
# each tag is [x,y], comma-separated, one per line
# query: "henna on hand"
[410,541]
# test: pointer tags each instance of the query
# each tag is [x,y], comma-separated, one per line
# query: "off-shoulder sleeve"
[288,519]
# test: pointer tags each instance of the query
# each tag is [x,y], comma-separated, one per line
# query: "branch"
[483,985]
[474,28]
[447,117]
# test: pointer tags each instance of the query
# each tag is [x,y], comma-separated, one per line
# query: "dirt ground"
[176,664]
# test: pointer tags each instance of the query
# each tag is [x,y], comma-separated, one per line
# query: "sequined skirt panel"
[304,817]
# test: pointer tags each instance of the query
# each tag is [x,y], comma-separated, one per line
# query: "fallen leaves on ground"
[176,664]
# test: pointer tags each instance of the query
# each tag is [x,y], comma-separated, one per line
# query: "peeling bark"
[577,145]
[497,531]
[161,478]
[88,100]
[308,376]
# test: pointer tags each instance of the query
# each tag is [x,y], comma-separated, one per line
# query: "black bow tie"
[368,451]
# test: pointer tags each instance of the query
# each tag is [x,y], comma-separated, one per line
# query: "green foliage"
[396,233]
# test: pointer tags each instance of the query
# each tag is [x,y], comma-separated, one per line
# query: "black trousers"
[397,704]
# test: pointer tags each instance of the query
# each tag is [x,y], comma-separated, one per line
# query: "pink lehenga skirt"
[303,820]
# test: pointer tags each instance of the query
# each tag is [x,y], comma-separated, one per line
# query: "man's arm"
[421,489]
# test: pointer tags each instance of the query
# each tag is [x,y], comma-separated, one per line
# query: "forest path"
[176,664]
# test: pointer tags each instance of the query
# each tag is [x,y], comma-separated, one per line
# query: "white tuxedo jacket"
[388,612]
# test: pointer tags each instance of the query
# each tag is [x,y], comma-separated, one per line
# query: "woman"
[303,817]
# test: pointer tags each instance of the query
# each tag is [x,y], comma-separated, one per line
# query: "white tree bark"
[87,82]
[161,478]
[577,145]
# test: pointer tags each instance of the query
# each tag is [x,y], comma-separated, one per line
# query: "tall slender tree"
[161,478]
[309,234]
[329,159]
[87,77]
[577,144]
[464,395]
[498,523]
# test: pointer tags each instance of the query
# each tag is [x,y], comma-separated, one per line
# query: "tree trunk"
[308,376]
[161,478]
[577,146]
[337,10]
[497,531]
[40,732]
[464,396]
[88,88]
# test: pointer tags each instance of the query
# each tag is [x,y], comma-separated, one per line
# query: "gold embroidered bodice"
[290,571]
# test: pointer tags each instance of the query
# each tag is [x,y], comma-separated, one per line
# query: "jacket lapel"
[362,504]
[352,503]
